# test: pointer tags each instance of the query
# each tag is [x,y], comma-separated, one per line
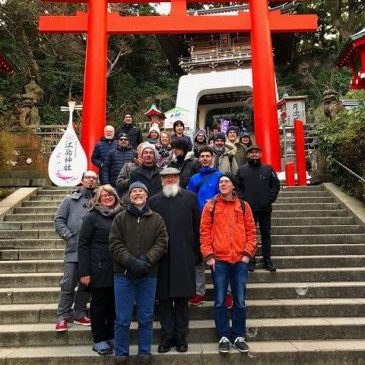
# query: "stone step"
[329,249]
[303,206]
[45,243]
[317,239]
[28,233]
[35,210]
[282,213]
[255,291]
[333,352]
[32,254]
[42,204]
[308,221]
[47,198]
[278,329]
[295,200]
[304,188]
[288,194]
[54,192]
[317,229]
[277,308]
[52,279]
[29,217]
[31,266]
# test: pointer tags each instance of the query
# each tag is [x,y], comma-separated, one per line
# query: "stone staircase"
[311,311]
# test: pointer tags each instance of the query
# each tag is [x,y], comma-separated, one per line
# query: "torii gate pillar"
[263,77]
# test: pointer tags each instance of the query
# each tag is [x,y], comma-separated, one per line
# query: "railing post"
[290,174]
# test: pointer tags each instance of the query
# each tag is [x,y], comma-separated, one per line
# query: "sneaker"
[83,321]
[229,301]
[224,345]
[240,344]
[197,300]
[61,326]
[102,348]
[269,266]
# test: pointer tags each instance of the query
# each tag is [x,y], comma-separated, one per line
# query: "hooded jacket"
[226,161]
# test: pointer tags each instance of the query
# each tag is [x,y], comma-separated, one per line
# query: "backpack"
[213,200]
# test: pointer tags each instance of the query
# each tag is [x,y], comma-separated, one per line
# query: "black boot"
[252,265]
[269,266]
[181,345]
[165,344]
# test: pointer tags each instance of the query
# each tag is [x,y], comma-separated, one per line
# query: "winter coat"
[114,163]
[133,132]
[101,150]
[132,236]
[189,167]
[150,176]
[95,259]
[205,184]
[176,275]
[68,220]
[258,185]
[123,180]
[187,139]
[226,161]
[226,232]
[240,154]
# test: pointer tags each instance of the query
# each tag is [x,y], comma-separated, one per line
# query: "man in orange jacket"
[228,241]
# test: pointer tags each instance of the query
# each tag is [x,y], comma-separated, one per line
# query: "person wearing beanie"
[245,140]
[148,172]
[179,128]
[137,241]
[200,140]
[232,137]
[224,154]
[259,185]
[115,160]
[227,249]
[183,160]
[153,134]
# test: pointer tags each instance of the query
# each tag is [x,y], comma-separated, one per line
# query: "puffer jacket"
[114,163]
[227,233]
[226,161]
[101,150]
[132,236]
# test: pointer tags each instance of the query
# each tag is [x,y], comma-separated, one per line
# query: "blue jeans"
[235,274]
[127,292]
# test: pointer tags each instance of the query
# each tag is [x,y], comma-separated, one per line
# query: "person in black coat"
[103,147]
[259,185]
[148,173]
[183,160]
[96,266]
[115,160]
[176,276]
[133,132]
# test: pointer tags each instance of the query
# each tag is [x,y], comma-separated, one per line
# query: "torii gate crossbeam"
[98,24]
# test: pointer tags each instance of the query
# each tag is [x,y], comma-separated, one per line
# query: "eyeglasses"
[90,177]
[106,195]
[123,139]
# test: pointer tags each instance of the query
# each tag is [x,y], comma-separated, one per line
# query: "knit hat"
[231,177]
[137,185]
[181,144]
[245,134]
[201,132]
[151,146]
[234,129]
[154,128]
[220,136]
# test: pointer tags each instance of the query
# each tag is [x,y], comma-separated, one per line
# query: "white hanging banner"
[68,160]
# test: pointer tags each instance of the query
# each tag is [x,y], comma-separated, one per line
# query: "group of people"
[166,209]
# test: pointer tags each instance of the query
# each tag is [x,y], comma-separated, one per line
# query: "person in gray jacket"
[68,222]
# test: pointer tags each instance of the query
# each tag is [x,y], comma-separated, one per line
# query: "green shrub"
[343,139]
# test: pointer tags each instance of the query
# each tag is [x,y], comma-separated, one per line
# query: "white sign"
[68,160]
[295,109]
[177,114]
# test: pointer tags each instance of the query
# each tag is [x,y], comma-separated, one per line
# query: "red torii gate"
[98,24]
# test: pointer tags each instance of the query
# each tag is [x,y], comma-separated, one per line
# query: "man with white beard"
[176,276]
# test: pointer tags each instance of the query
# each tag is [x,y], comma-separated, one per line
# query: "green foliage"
[343,139]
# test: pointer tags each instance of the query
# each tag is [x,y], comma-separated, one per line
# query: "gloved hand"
[137,268]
